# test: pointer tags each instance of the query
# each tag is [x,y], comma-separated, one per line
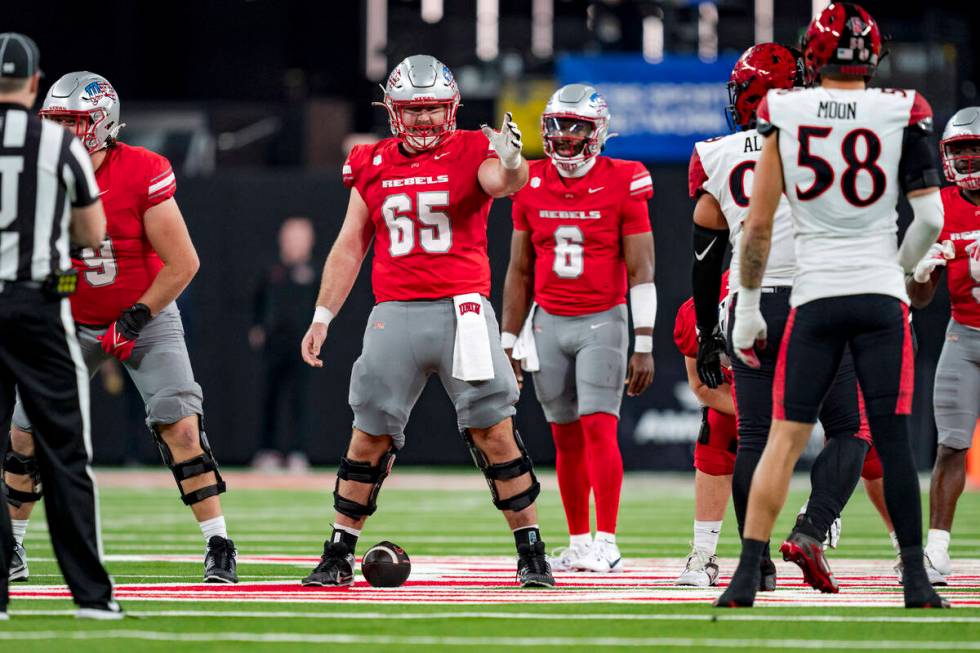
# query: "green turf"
[655,522]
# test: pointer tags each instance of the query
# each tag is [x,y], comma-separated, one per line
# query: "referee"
[48,194]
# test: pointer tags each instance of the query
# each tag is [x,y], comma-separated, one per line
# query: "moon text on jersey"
[837,110]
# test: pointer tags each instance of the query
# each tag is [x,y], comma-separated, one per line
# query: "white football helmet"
[421,80]
[962,168]
[574,126]
[90,102]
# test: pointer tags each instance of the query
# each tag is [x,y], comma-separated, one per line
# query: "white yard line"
[521,642]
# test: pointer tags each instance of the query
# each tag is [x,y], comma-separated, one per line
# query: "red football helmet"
[760,68]
[844,39]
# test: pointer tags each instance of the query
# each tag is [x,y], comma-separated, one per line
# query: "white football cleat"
[106,612]
[4,616]
[935,578]
[603,558]
[833,535]
[564,559]
[940,561]
[701,570]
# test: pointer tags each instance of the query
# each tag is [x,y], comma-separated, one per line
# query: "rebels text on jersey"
[577,228]
[723,167]
[429,214]
[845,157]
[114,277]
[960,229]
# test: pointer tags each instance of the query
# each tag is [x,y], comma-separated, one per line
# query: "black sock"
[339,535]
[834,476]
[752,552]
[527,535]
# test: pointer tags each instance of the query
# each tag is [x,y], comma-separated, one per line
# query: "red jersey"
[961,227]
[429,214]
[577,228]
[112,279]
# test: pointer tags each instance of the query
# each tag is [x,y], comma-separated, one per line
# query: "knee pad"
[15,463]
[506,471]
[362,472]
[191,468]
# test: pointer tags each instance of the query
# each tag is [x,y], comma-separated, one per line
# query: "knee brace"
[362,472]
[191,468]
[506,471]
[15,463]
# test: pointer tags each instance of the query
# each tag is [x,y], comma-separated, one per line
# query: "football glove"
[120,338]
[748,327]
[933,259]
[710,348]
[506,142]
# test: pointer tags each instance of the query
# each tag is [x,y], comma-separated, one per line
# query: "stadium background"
[255,103]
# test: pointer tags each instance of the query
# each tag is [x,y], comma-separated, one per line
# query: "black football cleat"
[740,592]
[18,565]
[336,567]
[807,553]
[918,590]
[220,565]
[533,569]
[767,577]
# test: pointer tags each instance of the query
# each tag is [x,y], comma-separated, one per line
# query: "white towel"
[472,360]
[525,349]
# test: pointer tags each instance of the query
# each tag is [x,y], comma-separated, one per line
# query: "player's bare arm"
[167,233]
[709,240]
[639,258]
[719,398]
[339,273]
[506,174]
[518,291]
[88,225]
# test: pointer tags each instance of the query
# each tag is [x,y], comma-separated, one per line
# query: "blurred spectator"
[284,298]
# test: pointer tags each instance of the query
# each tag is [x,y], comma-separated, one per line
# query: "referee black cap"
[19,56]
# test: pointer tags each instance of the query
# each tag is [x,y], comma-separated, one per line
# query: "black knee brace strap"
[504,472]
[194,467]
[362,472]
[21,465]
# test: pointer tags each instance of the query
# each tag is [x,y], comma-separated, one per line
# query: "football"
[386,565]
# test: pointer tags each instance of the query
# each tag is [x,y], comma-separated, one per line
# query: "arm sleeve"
[696,176]
[161,184]
[918,167]
[518,215]
[77,173]
[706,272]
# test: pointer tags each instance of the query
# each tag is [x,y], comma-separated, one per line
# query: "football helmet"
[962,167]
[760,68]
[420,80]
[574,126]
[843,39]
[90,101]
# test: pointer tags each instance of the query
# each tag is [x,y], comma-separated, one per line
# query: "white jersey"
[723,167]
[840,152]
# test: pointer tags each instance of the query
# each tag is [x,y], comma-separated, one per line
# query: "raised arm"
[507,174]
[339,273]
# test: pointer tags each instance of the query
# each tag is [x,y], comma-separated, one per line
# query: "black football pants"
[40,356]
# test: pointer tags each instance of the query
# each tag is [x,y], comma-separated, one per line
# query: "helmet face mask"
[87,105]
[416,88]
[960,148]
[574,126]
[760,68]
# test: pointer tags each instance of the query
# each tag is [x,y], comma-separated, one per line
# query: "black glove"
[710,348]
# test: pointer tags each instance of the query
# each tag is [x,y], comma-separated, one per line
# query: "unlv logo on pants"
[469,307]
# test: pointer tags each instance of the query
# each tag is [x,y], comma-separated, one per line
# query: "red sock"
[573,475]
[605,467]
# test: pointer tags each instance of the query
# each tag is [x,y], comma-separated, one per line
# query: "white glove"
[506,142]
[973,250]
[748,326]
[933,259]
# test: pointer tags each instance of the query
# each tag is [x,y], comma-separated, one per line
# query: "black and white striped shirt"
[44,172]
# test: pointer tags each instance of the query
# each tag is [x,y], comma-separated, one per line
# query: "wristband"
[507,340]
[643,344]
[322,315]
[643,305]
[748,298]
